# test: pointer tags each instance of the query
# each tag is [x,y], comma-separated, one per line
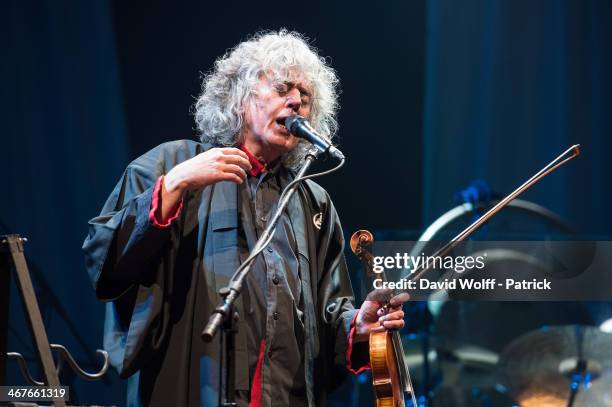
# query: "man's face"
[267,110]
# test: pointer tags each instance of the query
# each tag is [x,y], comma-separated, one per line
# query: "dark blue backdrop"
[509,85]
[63,146]
[434,95]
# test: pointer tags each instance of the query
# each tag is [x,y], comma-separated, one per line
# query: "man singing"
[186,214]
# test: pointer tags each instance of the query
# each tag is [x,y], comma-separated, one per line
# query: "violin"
[390,374]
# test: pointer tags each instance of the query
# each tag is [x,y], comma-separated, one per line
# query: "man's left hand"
[372,316]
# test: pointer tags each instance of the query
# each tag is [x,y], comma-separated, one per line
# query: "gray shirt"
[273,299]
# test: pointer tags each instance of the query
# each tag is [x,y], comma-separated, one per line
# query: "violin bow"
[566,156]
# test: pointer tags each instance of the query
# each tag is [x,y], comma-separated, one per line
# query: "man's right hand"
[209,167]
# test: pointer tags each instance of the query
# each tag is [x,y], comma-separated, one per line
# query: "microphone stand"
[223,316]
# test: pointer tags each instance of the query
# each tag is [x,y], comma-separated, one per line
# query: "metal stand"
[577,379]
[11,254]
[579,372]
[233,290]
[5,291]
[14,245]
[228,333]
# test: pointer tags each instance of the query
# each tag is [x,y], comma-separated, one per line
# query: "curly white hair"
[226,89]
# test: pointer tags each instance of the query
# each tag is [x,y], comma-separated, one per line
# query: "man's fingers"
[237,160]
[399,299]
[228,176]
[235,169]
[234,151]
[379,295]
[396,324]
[383,294]
[392,316]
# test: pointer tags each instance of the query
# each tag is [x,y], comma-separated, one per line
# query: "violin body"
[385,375]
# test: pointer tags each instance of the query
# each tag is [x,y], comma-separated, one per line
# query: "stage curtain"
[63,147]
[508,86]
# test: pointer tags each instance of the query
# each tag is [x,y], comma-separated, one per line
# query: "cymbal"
[539,364]
[454,396]
[538,398]
[598,394]
[493,325]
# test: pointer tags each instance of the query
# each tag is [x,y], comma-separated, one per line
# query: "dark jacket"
[150,277]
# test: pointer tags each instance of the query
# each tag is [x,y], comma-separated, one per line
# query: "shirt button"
[276,315]
[270,250]
[263,219]
[275,279]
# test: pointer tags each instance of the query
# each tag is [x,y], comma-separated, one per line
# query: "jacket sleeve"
[129,259]
[336,295]
[123,246]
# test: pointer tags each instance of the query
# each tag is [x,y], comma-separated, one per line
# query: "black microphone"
[299,127]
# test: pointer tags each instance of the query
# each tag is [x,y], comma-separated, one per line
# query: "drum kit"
[485,354]
[553,366]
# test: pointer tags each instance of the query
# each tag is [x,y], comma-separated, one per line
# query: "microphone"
[299,127]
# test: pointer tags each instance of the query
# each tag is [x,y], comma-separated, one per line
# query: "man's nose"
[294,99]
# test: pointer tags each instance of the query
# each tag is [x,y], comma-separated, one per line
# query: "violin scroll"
[361,244]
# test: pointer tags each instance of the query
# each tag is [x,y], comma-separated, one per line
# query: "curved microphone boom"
[299,127]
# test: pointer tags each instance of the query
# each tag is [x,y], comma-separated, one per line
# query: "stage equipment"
[391,374]
[300,127]
[466,351]
[558,362]
[12,256]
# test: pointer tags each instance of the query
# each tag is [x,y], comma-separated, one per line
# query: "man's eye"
[281,88]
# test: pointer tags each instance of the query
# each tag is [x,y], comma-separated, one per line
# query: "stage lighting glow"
[606,326]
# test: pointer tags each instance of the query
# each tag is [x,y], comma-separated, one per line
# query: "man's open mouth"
[281,121]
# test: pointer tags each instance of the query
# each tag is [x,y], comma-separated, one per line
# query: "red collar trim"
[257,167]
